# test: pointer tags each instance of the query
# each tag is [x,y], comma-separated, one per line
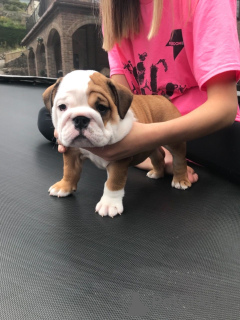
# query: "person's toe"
[192,175]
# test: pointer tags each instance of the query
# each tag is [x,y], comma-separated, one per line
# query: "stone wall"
[9,56]
[17,66]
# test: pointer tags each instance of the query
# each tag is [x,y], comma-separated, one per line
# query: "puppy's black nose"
[81,122]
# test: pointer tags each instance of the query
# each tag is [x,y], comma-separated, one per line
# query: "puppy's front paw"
[182,184]
[106,208]
[62,189]
[110,203]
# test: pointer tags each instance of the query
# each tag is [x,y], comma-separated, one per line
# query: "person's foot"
[147,165]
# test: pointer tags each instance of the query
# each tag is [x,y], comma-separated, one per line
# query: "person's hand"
[61,148]
[127,147]
[139,140]
[135,142]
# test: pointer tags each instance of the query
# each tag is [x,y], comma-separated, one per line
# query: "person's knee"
[45,125]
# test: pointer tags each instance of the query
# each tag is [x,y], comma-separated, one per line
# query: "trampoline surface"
[171,255]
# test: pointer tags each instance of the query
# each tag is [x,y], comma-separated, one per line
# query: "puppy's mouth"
[79,138]
[81,141]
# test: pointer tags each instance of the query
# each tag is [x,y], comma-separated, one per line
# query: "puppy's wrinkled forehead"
[102,90]
[75,84]
[98,80]
[118,96]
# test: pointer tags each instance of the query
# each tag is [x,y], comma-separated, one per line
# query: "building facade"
[64,35]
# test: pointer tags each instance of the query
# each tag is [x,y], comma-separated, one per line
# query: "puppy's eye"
[62,107]
[102,109]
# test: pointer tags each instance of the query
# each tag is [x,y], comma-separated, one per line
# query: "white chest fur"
[99,162]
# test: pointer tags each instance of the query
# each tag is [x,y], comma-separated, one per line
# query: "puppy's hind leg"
[180,175]
[157,159]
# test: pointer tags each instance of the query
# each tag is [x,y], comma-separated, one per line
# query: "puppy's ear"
[122,97]
[50,93]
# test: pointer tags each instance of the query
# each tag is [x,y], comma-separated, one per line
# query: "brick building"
[63,35]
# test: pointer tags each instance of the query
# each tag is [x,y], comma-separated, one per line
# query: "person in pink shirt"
[191,46]
[189,51]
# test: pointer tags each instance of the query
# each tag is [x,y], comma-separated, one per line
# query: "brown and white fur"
[89,110]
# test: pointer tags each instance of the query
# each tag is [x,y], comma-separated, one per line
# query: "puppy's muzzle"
[81,122]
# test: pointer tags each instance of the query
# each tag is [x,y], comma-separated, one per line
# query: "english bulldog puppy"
[90,110]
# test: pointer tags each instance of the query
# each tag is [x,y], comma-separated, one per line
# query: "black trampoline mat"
[171,255]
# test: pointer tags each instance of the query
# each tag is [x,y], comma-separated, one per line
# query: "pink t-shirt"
[193,45]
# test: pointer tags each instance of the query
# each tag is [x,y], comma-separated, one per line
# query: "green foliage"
[9,23]
[10,36]
[13,5]
[11,29]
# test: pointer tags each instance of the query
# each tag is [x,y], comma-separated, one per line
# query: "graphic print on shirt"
[140,70]
[147,80]
[176,41]
[139,73]
[170,88]
[153,75]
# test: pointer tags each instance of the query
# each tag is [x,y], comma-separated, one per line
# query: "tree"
[13,5]
[12,31]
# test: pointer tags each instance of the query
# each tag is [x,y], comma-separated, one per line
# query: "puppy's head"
[89,109]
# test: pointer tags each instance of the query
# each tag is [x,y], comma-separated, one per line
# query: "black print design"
[153,78]
[176,41]
[128,66]
[141,68]
[143,92]
[139,73]
[170,89]
[131,69]
[181,88]
[153,75]
[134,90]
[163,61]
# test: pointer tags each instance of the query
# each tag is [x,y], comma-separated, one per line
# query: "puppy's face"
[88,109]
